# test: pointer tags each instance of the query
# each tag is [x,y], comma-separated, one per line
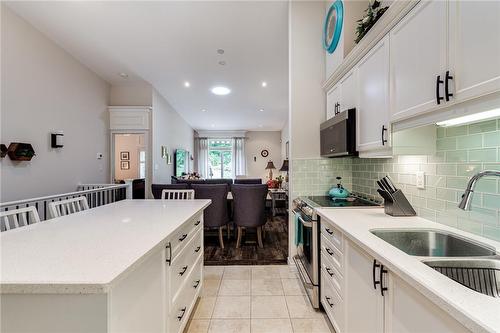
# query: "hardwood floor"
[275,242]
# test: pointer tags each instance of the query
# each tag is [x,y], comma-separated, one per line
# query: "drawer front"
[333,304]
[332,234]
[185,233]
[332,274]
[332,253]
[184,304]
[184,263]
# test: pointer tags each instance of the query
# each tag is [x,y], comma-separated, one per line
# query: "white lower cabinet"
[363,296]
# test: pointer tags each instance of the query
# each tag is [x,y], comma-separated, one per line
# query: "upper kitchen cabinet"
[373,134]
[342,96]
[418,59]
[474,48]
[444,53]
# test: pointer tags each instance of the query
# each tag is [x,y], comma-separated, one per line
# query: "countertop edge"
[13,288]
[455,311]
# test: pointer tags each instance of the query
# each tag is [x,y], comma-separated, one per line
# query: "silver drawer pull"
[328,270]
[196,284]
[329,231]
[330,252]
[184,269]
[182,313]
[328,301]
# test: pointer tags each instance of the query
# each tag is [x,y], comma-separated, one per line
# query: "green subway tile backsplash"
[461,152]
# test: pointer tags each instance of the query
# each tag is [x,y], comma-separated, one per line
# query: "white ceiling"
[168,43]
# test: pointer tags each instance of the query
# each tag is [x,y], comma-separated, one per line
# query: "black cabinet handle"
[328,301]
[184,269]
[384,140]
[337,108]
[197,249]
[375,266]
[197,223]
[183,312]
[196,284]
[447,93]
[438,83]
[330,252]
[169,258]
[329,231]
[328,270]
[382,287]
[183,237]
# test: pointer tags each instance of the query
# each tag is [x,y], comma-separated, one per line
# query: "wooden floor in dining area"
[275,249]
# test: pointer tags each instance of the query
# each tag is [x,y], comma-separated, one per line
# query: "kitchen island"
[135,265]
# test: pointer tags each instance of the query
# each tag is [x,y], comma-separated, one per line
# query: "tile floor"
[256,299]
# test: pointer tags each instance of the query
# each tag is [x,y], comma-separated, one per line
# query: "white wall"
[131,95]
[170,130]
[307,74]
[45,89]
[255,143]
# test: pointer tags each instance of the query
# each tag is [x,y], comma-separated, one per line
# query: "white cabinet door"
[364,310]
[418,56]
[373,99]
[408,311]
[348,91]
[474,48]
[332,100]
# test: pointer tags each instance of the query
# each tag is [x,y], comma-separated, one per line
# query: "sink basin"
[433,243]
[481,275]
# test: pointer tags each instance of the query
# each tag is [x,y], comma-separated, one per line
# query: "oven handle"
[308,285]
[305,223]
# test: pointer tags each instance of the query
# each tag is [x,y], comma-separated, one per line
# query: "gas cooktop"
[327,202]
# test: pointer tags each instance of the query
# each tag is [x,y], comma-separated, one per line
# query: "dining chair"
[249,202]
[68,206]
[177,194]
[216,215]
[15,218]
[157,189]
[278,203]
[253,181]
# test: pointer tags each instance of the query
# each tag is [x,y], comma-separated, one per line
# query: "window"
[220,158]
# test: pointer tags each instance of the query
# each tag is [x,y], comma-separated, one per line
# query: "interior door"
[364,304]
[474,47]
[373,99]
[418,56]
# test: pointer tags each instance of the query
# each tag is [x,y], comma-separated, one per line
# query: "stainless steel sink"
[481,275]
[433,243]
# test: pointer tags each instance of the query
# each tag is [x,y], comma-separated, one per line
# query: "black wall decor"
[19,151]
[3,150]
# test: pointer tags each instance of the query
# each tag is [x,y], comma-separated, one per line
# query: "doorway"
[130,162]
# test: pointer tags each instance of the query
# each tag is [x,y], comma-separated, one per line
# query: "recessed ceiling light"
[264,83]
[203,110]
[261,110]
[213,125]
[187,84]
[261,126]
[220,90]
[220,51]
[123,75]
[222,63]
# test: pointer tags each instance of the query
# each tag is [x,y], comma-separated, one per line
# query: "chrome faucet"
[467,196]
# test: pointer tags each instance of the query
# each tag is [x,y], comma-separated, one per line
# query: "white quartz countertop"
[87,251]
[478,312]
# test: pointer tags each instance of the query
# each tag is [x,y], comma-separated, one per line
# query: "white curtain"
[202,150]
[239,162]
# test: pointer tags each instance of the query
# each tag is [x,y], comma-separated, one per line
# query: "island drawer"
[333,304]
[332,253]
[333,234]
[184,263]
[185,233]
[184,303]
[332,274]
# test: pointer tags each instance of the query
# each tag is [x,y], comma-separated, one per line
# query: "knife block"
[396,204]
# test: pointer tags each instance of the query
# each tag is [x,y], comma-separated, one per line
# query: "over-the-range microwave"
[338,135]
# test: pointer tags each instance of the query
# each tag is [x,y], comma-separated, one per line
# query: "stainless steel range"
[308,256]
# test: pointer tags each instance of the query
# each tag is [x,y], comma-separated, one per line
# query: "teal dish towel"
[299,238]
